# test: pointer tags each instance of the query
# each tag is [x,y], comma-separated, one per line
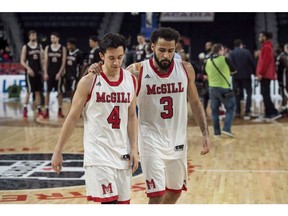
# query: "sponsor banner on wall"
[9,80]
[187,17]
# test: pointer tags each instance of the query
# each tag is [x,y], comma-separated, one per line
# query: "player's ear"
[101,56]
[153,47]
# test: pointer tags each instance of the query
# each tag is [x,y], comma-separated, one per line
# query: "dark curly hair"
[166,33]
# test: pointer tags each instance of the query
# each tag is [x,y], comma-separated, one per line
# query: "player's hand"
[96,68]
[58,76]
[134,159]
[30,72]
[56,162]
[206,144]
[46,77]
[259,77]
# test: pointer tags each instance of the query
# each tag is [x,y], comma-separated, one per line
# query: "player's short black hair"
[72,40]
[112,40]
[55,34]
[237,43]
[31,32]
[141,34]
[94,38]
[268,35]
[166,33]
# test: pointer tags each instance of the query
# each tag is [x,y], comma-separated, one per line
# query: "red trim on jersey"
[99,199]
[162,75]
[113,83]
[156,194]
[140,80]
[185,71]
[134,81]
[123,202]
[177,191]
[90,93]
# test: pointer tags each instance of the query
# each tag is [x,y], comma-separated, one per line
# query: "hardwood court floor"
[249,169]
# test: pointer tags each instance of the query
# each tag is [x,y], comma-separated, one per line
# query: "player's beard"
[163,66]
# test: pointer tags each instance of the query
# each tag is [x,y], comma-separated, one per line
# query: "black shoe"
[273,117]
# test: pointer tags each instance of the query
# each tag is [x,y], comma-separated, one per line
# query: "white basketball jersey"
[106,141]
[162,103]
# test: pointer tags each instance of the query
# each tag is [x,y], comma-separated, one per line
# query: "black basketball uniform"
[281,70]
[94,56]
[33,60]
[73,68]
[54,65]
[140,52]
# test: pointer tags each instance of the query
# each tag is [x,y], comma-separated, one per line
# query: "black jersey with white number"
[73,63]
[54,60]
[33,58]
[140,52]
[94,56]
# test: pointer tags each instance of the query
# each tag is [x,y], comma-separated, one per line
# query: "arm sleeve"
[251,61]
[231,66]
[263,60]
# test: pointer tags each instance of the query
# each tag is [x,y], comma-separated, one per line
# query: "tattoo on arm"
[199,115]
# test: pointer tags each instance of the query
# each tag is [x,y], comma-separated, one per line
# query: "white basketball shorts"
[161,175]
[106,184]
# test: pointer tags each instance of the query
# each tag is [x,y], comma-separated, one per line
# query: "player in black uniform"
[74,64]
[93,56]
[55,60]
[141,51]
[32,59]
[282,72]
[94,52]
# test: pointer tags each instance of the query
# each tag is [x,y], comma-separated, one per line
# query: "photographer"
[219,69]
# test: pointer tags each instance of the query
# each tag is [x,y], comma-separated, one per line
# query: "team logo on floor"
[33,171]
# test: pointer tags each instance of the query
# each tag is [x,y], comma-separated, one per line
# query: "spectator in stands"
[282,72]
[219,69]
[141,49]
[74,65]
[266,71]
[7,56]
[32,61]
[244,63]
[55,61]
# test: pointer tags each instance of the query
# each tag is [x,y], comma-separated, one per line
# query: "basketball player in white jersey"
[164,86]
[108,102]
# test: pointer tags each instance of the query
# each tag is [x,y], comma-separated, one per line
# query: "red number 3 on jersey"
[114,118]
[168,107]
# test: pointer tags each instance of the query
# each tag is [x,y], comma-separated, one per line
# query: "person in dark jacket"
[243,61]
[266,71]
[282,71]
